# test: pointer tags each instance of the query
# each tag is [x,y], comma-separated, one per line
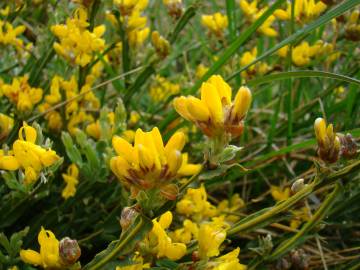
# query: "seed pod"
[69,251]
[128,214]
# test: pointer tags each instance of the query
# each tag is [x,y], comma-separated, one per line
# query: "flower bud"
[69,251]
[328,142]
[128,214]
[348,146]
[297,185]
[241,104]
[162,46]
[174,8]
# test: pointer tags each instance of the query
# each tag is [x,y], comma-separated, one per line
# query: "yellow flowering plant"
[188,135]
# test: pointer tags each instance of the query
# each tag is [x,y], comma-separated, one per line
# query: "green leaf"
[71,149]
[229,153]
[301,74]
[89,150]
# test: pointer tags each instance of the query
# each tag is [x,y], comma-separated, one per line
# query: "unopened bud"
[162,46]
[69,251]
[128,214]
[241,103]
[174,8]
[170,191]
[297,185]
[348,146]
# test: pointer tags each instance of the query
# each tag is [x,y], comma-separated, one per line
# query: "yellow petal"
[175,251]
[29,132]
[211,97]
[320,130]
[9,163]
[222,87]
[165,220]
[123,148]
[197,109]
[180,105]
[176,142]
[241,103]
[30,256]
[119,166]
[146,158]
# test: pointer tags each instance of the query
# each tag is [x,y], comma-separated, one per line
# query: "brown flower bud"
[128,214]
[69,251]
[348,146]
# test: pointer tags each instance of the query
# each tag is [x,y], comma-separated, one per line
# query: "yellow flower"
[71,180]
[94,129]
[195,204]
[148,164]
[185,234]
[77,44]
[78,118]
[200,71]
[280,194]
[187,169]
[137,263]
[305,10]
[216,23]
[246,58]
[28,156]
[162,89]
[328,142]
[128,6]
[229,261]
[9,34]
[22,94]
[134,118]
[226,207]
[8,161]
[352,28]
[210,237]
[162,46]
[161,243]
[48,257]
[6,125]
[252,13]
[214,113]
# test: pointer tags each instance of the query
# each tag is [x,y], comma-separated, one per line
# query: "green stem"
[315,219]
[123,242]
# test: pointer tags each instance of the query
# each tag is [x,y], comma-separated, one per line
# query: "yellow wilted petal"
[222,87]
[211,97]
[197,109]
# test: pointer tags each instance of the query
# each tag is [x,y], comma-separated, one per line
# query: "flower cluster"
[77,44]
[9,34]
[21,94]
[162,89]
[27,155]
[215,113]
[216,23]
